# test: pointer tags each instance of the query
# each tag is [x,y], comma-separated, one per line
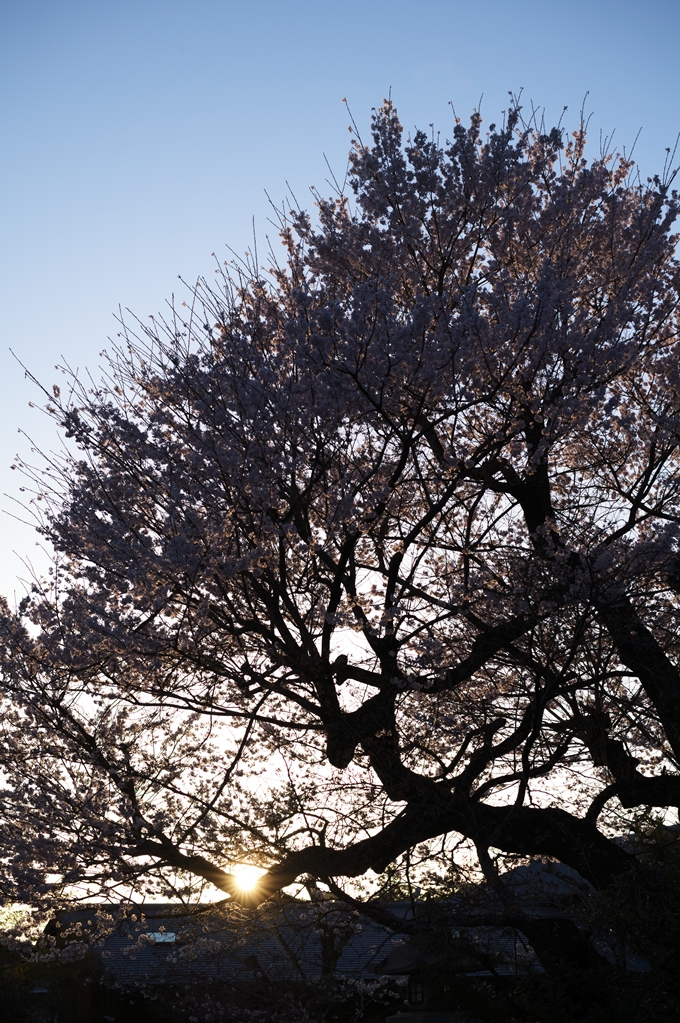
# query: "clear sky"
[139,136]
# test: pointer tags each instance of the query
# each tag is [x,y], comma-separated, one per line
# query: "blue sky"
[140,137]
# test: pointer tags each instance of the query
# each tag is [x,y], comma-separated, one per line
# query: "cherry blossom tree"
[372,551]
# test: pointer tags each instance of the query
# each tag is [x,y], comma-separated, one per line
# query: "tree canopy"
[372,551]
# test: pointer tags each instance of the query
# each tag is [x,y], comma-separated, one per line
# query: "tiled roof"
[283,943]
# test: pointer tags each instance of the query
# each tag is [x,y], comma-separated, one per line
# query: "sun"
[246,876]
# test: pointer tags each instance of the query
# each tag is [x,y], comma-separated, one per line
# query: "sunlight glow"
[247,876]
